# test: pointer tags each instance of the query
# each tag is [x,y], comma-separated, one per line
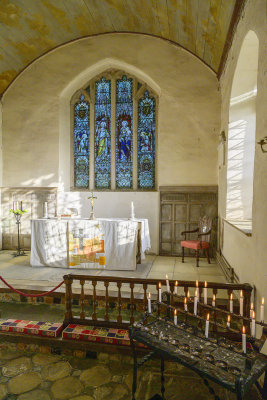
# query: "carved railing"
[133,292]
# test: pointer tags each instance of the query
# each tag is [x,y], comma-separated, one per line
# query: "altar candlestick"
[175,317]
[241,303]
[185,304]
[214,300]
[244,340]
[197,290]
[262,309]
[231,303]
[176,288]
[228,321]
[167,284]
[149,303]
[159,292]
[207,326]
[195,303]
[253,325]
[251,309]
[205,293]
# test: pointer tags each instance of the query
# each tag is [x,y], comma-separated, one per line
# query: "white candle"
[214,300]
[195,303]
[205,293]
[45,210]
[167,284]
[241,303]
[132,210]
[185,304]
[244,340]
[149,303]
[228,321]
[176,288]
[251,309]
[175,317]
[197,290]
[253,325]
[262,309]
[231,303]
[207,326]
[17,205]
[159,292]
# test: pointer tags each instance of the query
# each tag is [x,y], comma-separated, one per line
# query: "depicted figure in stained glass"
[125,142]
[102,138]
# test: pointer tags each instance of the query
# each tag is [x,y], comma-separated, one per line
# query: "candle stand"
[19,252]
[219,357]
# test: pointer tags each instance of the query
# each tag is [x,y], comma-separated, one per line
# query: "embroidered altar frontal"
[97,334]
[51,329]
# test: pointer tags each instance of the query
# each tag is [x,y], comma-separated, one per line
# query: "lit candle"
[228,321]
[253,325]
[244,340]
[195,302]
[207,326]
[149,303]
[185,304]
[188,294]
[159,292]
[231,303]
[175,317]
[167,284]
[241,303]
[176,287]
[205,293]
[251,309]
[262,309]
[214,300]
[197,290]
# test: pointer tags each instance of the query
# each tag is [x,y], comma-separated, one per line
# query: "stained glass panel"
[102,134]
[146,142]
[124,133]
[81,143]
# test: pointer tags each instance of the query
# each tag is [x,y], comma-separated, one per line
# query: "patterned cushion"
[52,329]
[195,244]
[97,334]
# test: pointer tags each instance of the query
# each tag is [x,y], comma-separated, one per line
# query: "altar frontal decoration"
[51,329]
[86,245]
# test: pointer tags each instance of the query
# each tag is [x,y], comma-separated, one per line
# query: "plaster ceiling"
[29,28]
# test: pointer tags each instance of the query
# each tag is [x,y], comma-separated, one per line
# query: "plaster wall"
[36,116]
[248,255]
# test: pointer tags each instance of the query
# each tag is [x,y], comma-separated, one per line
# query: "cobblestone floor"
[29,375]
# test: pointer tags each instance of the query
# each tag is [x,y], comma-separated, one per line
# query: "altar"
[113,244]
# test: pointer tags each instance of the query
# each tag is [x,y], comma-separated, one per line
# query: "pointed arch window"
[118,112]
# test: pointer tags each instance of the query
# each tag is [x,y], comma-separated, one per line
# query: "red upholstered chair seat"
[195,244]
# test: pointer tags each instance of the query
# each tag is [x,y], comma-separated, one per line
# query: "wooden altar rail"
[133,298]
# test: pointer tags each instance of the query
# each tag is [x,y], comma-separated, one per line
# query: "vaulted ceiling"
[29,28]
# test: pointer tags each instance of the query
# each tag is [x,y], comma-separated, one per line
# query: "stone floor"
[28,375]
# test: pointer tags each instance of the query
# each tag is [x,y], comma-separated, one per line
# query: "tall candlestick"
[207,326]
[231,303]
[167,284]
[149,303]
[159,292]
[176,287]
[195,303]
[241,303]
[175,317]
[262,310]
[185,304]
[244,340]
[214,300]
[228,321]
[197,290]
[253,325]
[205,293]
[251,309]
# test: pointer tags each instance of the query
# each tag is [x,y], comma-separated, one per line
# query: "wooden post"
[119,317]
[68,300]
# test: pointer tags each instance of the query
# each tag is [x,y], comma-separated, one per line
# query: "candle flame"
[231,296]
[262,301]
[251,306]
[214,297]
[241,293]
[188,294]
[166,276]
[175,312]
[208,317]
[149,295]
[176,283]
[159,285]
[185,300]
[229,318]
[243,329]
[205,284]
[253,314]
[196,283]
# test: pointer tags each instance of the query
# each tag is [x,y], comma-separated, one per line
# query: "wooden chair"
[203,241]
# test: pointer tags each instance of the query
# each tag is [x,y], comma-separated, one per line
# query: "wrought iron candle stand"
[219,357]
[19,252]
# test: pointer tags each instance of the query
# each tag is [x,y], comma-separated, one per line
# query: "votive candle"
[253,325]
[228,321]
[244,340]
[167,284]
[176,288]
[159,292]
[262,310]
[241,303]
[175,317]
[205,293]
[185,304]
[195,303]
[214,300]
[207,326]
[149,303]
[231,303]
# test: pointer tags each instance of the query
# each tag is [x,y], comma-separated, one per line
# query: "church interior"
[133,199]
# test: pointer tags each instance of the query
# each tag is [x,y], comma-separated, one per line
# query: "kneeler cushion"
[51,329]
[195,244]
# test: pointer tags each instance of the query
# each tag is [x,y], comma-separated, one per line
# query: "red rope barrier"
[28,294]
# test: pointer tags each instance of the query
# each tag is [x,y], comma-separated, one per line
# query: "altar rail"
[133,291]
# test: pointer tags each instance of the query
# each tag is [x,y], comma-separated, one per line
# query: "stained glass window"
[81,143]
[124,133]
[102,133]
[146,142]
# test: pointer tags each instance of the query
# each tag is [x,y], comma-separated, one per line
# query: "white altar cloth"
[51,245]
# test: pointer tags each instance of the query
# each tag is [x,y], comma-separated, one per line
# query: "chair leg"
[182,254]
[197,258]
[208,255]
